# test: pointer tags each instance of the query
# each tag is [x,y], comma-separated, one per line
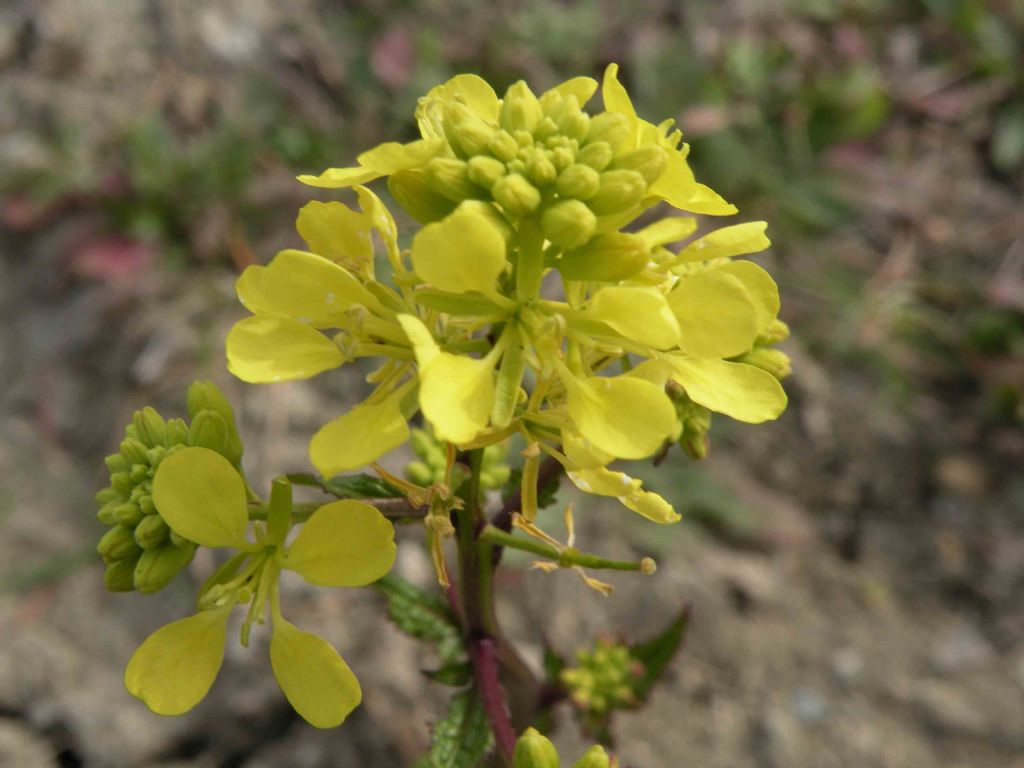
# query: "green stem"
[530,263]
[565,557]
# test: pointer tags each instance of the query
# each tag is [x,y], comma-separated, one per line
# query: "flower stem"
[565,557]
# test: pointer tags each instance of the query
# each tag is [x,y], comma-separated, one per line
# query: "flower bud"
[579,182]
[178,540]
[568,223]
[597,155]
[562,157]
[607,257]
[207,396]
[146,504]
[150,427]
[450,177]
[619,191]
[516,195]
[777,331]
[467,131]
[116,463]
[545,128]
[534,750]
[134,452]
[520,110]
[484,170]
[595,757]
[151,532]
[117,543]
[417,197]
[503,146]
[177,432]
[774,361]
[572,121]
[128,513]
[120,575]
[158,566]
[540,170]
[649,161]
[108,513]
[122,483]
[419,472]
[208,430]
[610,127]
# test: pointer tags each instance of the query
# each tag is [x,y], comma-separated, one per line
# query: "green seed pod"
[516,195]
[568,223]
[120,575]
[619,191]
[465,129]
[117,543]
[450,177]
[611,128]
[648,161]
[485,170]
[209,430]
[503,146]
[128,513]
[158,566]
[534,750]
[579,182]
[150,427]
[540,170]
[151,532]
[177,432]
[774,361]
[595,757]
[116,463]
[607,257]
[520,109]
[597,155]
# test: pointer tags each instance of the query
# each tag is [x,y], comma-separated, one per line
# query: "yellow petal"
[314,678]
[738,390]
[382,160]
[628,490]
[266,349]
[724,242]
[761,287]
[175,666]
[668,230]
[456,392]
[380,217]
[616,99]
[652,506]
[625,416]
[679,189]
[336,232]
[360,437]
[717,317]
[583,88]
[303,286]
[581,453]
[640,314]
[202,498]
[339,178]
[463,252]
[344,544]
[476,93]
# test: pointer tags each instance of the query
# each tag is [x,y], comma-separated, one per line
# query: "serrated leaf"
[423,616]
[656,653]
[456,674]
[463,738]
[360,486]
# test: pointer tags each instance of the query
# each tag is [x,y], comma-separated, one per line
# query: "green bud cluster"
[430,467]
[696,421]
[140,550]
[543,157]
[765,356]
[535,750]
[603,679]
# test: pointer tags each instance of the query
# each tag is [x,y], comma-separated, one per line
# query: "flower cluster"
[523,306]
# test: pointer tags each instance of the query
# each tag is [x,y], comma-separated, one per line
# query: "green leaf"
[463,737]
[360,486]
[457,674]
[423,616]
[553,666]
[658,652]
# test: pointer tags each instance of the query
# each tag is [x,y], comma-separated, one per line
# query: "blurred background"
[856,568]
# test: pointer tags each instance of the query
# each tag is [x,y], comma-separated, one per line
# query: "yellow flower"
[344,543]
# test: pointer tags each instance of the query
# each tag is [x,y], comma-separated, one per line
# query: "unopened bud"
[208,430]
[568,223]
[534,750]
[520,110]
[117,543]
[207,396]
[649,161]
[158,566]
[449,177]
[419,472]
[146,504]
[177,539]
[562,157]
[608,257]
[120,575]
[150,427]
[128,513]
[503,146]
[545,128]
[117,463]
[597,155]
[619,191]
[611,128]
[177,432]
[516,195]
[579,182]
[775,332]
[595,757]
[108,513]
[572,121]
[122,483]
[151,532]
[466,129]
[774,361]
[540,170]
[417,197]
[485,170]
[134,451]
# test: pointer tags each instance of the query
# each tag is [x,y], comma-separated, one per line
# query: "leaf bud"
[484,170]
[503,146]
[120,575]
[534,750]
[151,532]
[608,257]
[619,191]
[516,195]
[449,177]
[568,223]
[117,543]
[649,161]
[595,757]
[579,182]
[158,566]
[609,127]
[520,110]
[597,155]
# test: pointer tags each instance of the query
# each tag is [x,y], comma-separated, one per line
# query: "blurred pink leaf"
[392,57]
